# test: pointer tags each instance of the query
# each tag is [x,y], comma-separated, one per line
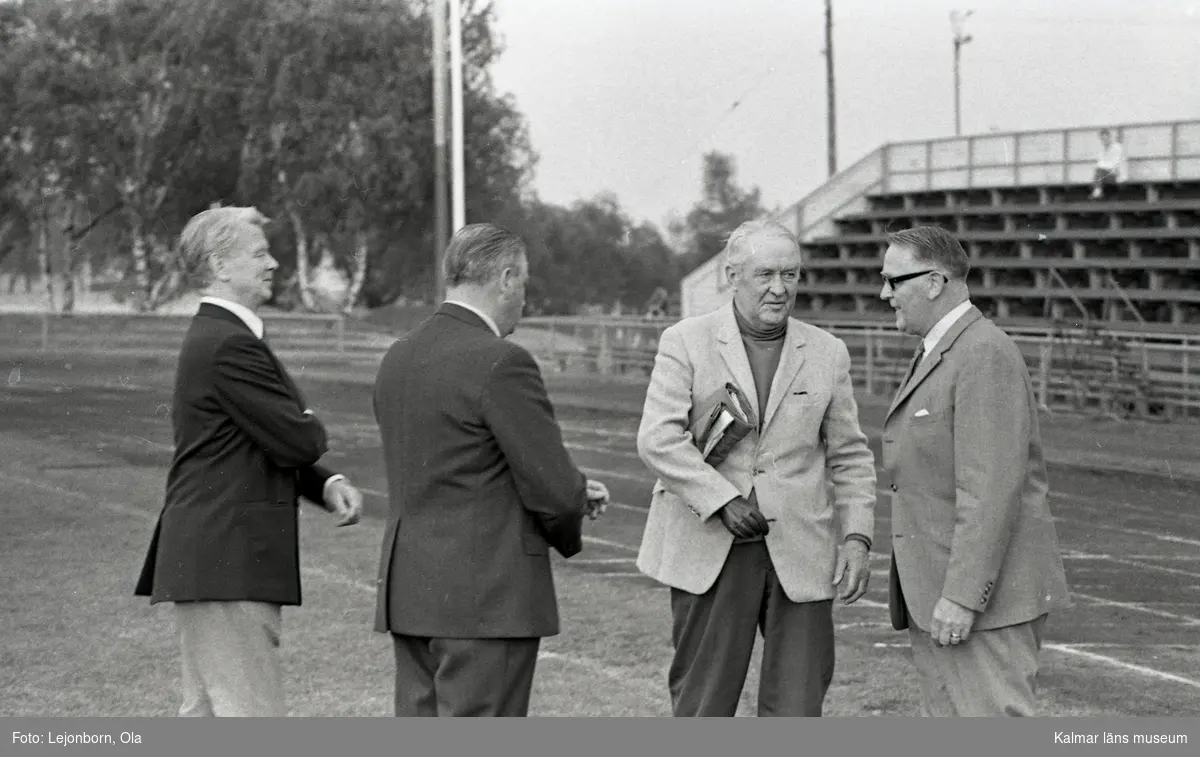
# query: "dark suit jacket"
[479,485]
[244,453]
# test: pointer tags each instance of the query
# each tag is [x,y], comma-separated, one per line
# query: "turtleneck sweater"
[763,348]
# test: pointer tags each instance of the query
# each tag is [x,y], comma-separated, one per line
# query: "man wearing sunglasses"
[975,559]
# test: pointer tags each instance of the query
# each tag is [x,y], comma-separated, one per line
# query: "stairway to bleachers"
[1131,259]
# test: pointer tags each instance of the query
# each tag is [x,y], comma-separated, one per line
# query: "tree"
[723,207]
[592,254]
[319,113]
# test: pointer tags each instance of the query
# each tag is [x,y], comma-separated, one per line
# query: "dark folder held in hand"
[725,422]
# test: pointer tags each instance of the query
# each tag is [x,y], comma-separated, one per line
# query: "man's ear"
[217,266]
[935,289]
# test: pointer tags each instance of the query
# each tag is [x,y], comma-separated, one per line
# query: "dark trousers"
[714,637]
[463,677]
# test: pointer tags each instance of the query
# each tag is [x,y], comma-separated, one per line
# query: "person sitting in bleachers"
[1110,164]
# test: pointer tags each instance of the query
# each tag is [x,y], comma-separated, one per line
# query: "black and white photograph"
[611,359]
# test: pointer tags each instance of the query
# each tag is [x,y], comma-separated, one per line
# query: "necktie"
[912,367]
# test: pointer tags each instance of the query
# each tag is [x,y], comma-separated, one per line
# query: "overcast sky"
[626,95]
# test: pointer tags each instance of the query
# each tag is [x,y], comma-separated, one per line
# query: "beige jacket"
[809,442]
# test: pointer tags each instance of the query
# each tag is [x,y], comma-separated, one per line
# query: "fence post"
[871,362]
[340,327]
[1043,375]
[603,358]
[1187,384]
[45,332]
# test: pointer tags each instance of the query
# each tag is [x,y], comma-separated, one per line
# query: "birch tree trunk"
[359,277]
[44,264]
[141,266]
[302,266]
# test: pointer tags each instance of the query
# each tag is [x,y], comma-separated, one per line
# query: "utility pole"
[958,22]
[832,104]
[456,112]
[439,148]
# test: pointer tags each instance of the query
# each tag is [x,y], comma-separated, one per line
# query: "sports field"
[84,446]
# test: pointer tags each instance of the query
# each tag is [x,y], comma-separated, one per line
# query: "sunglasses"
[892,281]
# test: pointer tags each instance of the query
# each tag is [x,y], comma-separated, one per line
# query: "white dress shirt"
[247,316]
[255,324]
[486,318]
[941,327]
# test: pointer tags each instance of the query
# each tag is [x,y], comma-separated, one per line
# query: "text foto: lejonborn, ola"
[125,737]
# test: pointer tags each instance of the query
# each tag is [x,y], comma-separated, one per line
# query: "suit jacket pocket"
[806,397]
[534,543]
[268,529]
[932,416]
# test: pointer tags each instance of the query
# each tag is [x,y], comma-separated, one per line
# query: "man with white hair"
[752,544]
[225,548]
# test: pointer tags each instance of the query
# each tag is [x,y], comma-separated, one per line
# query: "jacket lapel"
[733,351]
[789,365]
[213,311]
[286,377]
[932,361]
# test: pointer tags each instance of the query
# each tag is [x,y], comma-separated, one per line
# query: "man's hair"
[479,252]
[212,234]
[741,242]
[933,244]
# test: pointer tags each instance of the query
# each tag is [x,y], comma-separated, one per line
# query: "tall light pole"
[832,103]
[439,147]
[456,112]
[958,23]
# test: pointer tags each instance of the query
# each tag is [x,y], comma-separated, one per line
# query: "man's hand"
[344,501]
[597,499]
[743,520]
[854,568]
[951,623]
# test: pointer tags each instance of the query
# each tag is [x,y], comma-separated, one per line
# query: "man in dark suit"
[225,548]
[479,485]
[976,567]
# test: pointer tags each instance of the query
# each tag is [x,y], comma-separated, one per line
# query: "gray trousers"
[714,636]
[992,674]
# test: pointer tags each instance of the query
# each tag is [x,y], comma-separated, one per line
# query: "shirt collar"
[484,316]
[941,327]
[247,316]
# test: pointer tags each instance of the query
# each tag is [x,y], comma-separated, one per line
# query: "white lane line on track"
[1138,607]
[1069,649]
[323,572]
[333,574]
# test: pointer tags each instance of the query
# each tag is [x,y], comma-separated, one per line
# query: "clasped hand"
[344,501]
[597,499]
[743,520]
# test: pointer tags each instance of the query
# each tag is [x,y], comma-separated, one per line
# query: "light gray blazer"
[970,520]
[809,442]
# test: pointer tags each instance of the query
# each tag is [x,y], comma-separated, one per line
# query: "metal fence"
[157,332]
[1112,372]
[1166,151]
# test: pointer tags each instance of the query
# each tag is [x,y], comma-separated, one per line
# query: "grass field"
[85,443]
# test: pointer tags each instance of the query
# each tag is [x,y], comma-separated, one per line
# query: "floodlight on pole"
[958,23]
[440,219]
[456,114]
